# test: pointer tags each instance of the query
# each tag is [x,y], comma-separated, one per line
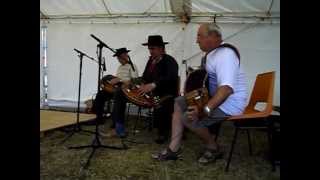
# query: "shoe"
[113,134]
[110,134]
[120,130]
[106,116]
[210,155]
[123,135]
[161,139]
[167,154]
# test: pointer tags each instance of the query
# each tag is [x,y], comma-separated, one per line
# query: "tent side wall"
[259,46]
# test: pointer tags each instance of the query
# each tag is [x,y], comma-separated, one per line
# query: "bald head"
[209,36]
[212,28]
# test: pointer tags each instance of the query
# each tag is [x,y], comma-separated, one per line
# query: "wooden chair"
[253,119]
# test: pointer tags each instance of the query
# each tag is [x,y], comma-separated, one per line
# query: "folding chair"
[254,119]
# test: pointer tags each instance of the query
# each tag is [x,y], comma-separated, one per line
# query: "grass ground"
[59,162]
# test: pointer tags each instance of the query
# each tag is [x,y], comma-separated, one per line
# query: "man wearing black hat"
[125,72]
[161,77]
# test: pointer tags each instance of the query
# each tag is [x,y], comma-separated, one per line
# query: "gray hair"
[213,28]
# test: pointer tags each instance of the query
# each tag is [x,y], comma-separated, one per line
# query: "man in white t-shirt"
[228,96]
[125,72]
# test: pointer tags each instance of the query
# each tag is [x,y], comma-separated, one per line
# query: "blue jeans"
[118,113]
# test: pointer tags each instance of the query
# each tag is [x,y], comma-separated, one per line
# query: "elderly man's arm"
[223,92]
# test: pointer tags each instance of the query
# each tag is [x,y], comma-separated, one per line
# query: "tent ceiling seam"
[105,6]
[157,21]
[181,7]
[165,6]
[152,5]
[43,15]
[107,9]
[188,5]
[138,15]
[270,7]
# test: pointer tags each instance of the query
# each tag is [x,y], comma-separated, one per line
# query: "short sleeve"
[227,67]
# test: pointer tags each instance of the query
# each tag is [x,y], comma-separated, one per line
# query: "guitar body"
[195,92]
[106,86]
[147,100]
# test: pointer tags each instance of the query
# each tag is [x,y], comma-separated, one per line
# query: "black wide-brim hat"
[155,40]
[120,51]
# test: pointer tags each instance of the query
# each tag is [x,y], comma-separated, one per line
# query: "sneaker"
[107,115]
[110,134]
[167,154]
[120,130]
[210,155]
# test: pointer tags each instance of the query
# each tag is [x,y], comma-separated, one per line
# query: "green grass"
[59,162]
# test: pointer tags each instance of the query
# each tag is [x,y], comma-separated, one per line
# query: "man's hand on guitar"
[114,81]
[127,83]
[193,113]
[145,88]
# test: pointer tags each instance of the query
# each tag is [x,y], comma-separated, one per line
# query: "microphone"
[102,43]
[184,61]
[104,64]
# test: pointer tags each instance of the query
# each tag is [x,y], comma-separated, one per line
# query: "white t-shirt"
[223,68]
[125,72]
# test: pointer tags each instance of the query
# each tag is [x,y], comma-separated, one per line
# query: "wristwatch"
[206,110]
[153,85]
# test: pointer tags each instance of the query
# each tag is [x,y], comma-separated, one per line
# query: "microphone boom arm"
[84,54]
[101,43]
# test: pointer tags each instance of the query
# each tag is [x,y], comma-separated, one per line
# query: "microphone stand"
[186,64]
[77,127]
[96,141]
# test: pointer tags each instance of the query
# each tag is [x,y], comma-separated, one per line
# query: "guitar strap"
[204,60]
[227,45]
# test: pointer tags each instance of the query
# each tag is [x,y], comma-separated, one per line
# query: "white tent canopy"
[125,7]
[124,11]
[251,25]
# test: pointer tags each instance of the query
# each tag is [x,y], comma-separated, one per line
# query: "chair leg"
[218,132]
[231,150]
[137,119]
[249,142]
[109,106]
[271,148]
[150,123]
[128,108]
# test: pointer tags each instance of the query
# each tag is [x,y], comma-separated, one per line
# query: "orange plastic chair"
[262,92]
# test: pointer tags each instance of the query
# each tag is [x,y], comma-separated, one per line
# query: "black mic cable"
[104,64]
[131,63]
